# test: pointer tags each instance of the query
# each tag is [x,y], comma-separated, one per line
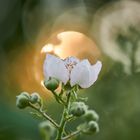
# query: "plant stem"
[62,125]
[45,116]
[63,121]
[71,135]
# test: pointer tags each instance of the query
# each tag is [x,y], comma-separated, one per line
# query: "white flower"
[71,69]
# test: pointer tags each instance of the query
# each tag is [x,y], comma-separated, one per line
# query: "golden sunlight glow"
[50,48]
[47,48]
[58,51]
[71,43]
[42,84]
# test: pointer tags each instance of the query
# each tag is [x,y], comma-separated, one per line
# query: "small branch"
[71,118]
[58,98]
[45,115]
[71,135]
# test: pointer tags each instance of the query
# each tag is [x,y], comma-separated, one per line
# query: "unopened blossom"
[71,69]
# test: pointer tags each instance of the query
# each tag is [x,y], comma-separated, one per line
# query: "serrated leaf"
[36,115]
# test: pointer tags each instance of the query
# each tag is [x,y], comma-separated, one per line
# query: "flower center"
[70,62]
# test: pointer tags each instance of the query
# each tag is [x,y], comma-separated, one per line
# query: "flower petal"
[80,74]
[55,67]
[94,71]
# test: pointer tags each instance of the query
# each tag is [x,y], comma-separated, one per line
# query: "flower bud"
[25,94]
[47,126]
[91,115]
[51,84]
[92,127]
[22,100]
[78,109]
[34,98]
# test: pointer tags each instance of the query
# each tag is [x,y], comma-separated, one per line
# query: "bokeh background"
[110,32]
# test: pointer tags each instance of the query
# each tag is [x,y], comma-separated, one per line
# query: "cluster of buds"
[25,99]
[91,122]
[90,117]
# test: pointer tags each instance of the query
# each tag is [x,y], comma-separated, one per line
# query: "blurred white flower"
[71,69]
